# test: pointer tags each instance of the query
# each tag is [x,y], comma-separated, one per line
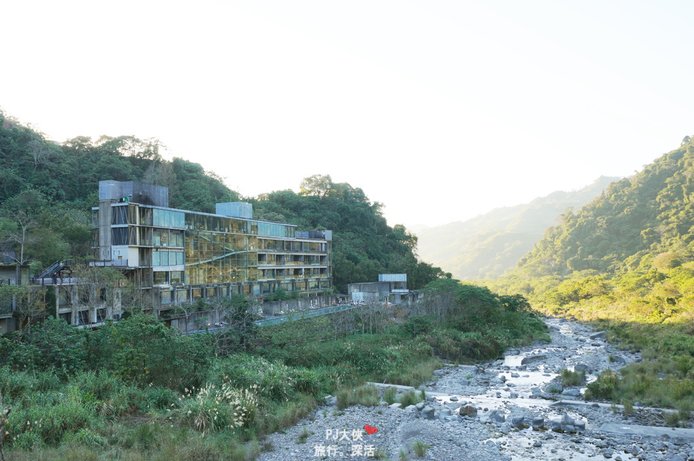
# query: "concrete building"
[391,288]
[178,256]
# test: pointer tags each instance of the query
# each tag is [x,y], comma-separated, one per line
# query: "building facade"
[178,256]
[390,288]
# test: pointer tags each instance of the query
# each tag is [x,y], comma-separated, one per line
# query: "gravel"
[494,411]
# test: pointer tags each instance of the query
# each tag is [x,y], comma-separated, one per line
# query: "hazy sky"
[440,110]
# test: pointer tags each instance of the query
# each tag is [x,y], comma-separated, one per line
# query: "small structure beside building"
[390,288]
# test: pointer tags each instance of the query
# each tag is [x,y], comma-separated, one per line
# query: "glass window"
[119,236]
[168,218]
[176,277]
[119,215]
[159,278]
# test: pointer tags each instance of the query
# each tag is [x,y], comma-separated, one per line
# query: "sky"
[439,110]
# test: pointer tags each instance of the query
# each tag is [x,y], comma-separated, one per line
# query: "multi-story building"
[178,256]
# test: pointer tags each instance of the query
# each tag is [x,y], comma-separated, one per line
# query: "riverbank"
[526,406]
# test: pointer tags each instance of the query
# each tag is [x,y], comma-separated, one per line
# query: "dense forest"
[47,189]
[493,243]
[626,260]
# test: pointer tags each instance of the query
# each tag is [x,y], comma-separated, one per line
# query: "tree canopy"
[47,189]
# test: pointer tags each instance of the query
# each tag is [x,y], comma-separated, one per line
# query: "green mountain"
[641,222]
[51,187]
[489,245]
[626,261]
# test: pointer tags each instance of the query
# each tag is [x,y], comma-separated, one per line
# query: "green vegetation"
[492,244]
[305,434]
[138,390]
[626,263]
[389,395]
[48,189]
[420,448]
[363,395]
[408,398]
[364,244]
[572,378]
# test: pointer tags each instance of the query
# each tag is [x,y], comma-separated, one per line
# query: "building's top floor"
[236,217]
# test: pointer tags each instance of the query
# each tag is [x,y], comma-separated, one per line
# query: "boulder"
[519,422]
[597,335]
[468,411]
[533,358]
[497,416]
[429,412]
[553,387]
[581,367]
[538,422]
[572,392]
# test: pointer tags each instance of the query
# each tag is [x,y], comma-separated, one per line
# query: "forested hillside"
[491,244]
[48,189]
[364,245]
[627,259]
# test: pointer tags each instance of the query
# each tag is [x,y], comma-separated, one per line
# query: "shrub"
[51,423]
[144,351]
[604,387]
[408,398]
[420,448]
[572,378]
[389,395]
[87,438]
[216,408]
[60,346]
[363,395]
[274,380]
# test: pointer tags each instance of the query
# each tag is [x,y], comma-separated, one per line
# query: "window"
[119,215]
[119,236]
[168,218]
[167,258]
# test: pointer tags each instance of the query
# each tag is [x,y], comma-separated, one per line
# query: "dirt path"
[517,409]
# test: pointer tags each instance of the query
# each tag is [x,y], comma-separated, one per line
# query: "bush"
[51,423]
[60,346]
[144,351]
[408,398]
[87,438]
[363,395]
[572,378]
[216,408]
[604,387]
[274,380]
[389,395]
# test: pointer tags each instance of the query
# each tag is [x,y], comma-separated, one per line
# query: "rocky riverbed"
[515,408]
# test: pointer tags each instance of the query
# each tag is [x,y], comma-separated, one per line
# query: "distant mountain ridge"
[636,221]
[493,243]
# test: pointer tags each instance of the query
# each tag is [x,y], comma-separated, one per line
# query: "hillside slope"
[54,186]
[626,260]
[491,244]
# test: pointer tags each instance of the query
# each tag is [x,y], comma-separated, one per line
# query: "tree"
[242,331]
[20,218]
[316,186]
